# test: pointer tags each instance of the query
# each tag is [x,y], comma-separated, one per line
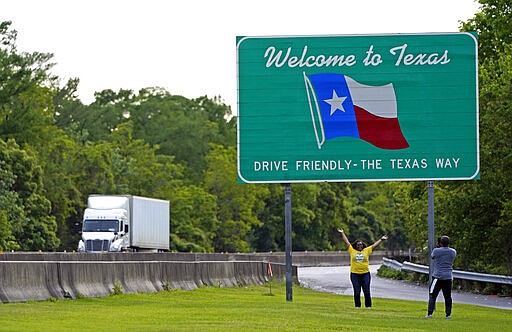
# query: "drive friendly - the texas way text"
[347,165]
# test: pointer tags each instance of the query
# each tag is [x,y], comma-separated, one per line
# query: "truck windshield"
[101,226]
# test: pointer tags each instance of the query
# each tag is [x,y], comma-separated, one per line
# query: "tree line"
[55,151]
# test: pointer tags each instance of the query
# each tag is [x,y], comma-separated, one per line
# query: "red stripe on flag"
[384,133]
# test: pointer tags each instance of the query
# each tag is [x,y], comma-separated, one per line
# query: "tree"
[25,91]
[26,116]
[318,209]
[24,205]
[269,235]
[8,200]
[194,221]
[387,215]
[62,186]
[493,25]
[330,214]
[181,127]
[238,205]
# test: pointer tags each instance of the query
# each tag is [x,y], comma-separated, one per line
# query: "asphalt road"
[337,280]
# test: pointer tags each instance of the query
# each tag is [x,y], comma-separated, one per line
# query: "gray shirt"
[443,258]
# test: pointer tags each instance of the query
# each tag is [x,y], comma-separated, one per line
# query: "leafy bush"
[387,272]
[118,289]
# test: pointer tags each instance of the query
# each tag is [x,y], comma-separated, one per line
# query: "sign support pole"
[288,238]
[430,185]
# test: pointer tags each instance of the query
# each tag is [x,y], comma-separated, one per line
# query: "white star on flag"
[336,102]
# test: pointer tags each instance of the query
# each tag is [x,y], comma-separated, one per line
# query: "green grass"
[243,309]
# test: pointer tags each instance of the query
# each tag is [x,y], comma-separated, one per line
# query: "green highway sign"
[357,108]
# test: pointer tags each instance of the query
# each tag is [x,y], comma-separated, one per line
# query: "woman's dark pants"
[361,281]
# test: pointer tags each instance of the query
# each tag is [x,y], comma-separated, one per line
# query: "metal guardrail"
[457,274]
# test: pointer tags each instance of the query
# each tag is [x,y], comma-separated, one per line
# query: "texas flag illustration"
[340,106]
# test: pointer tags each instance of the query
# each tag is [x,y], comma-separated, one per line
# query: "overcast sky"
[188,47]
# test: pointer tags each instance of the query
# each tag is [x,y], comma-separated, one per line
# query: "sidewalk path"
[337,280]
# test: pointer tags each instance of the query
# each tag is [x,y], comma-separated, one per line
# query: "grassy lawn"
[243,309]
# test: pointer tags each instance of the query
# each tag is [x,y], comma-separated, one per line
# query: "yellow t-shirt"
[359,259]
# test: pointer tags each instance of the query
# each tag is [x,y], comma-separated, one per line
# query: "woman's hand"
[384,237]
[340,230]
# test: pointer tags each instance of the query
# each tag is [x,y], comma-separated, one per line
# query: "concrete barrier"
[39,276]
[23,281]
[41,280]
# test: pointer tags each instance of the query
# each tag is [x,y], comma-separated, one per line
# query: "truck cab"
[104,230]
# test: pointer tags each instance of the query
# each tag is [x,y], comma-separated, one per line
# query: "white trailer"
[125,222]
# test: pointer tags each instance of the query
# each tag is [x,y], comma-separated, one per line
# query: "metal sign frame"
[345,108]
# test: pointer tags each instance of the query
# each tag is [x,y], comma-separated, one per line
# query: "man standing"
[443,257]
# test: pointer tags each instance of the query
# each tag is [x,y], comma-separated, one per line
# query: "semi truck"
[113,223]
